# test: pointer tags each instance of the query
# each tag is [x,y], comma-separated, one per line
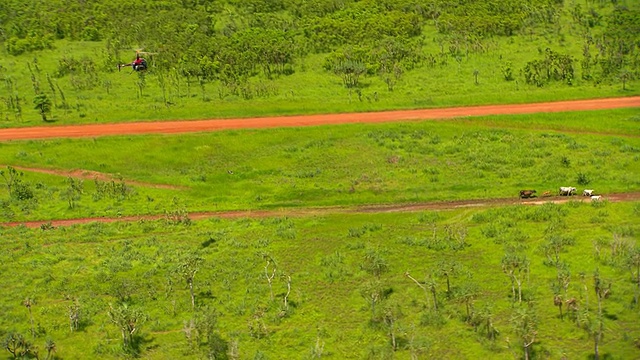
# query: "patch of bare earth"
[92,175]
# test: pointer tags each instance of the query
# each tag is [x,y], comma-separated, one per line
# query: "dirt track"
[175,127]
[320,211]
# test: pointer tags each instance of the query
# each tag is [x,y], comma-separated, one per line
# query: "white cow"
[596,198]
[567,190]
[587,192]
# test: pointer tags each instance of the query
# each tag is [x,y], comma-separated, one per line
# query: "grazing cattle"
[546,194]
[596,198]
[587,192]
[567,191]
[524,194]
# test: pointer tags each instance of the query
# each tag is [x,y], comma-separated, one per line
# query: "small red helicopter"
[139,64]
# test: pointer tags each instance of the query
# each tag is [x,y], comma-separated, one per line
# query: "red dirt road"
[184,126]
[320,211]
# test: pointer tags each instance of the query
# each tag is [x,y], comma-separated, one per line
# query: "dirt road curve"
[320,211]
[174,127]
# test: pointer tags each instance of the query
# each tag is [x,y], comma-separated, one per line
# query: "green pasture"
[89,268]
[468,158]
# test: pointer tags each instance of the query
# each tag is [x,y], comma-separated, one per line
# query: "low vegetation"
[550,280]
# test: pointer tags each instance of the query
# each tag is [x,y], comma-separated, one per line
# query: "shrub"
[582,179]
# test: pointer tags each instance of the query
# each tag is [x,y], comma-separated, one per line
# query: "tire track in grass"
[321,211]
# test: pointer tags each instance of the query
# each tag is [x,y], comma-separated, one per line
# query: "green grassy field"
[98,266]
[328,285]
[353,164]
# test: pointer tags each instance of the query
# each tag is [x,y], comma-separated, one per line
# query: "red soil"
[184,126]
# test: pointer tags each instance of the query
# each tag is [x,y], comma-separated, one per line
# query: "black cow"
[525,194]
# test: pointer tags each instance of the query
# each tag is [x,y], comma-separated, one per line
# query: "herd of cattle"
[564,191]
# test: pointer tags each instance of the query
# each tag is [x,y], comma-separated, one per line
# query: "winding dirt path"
[187,126]
[321,211]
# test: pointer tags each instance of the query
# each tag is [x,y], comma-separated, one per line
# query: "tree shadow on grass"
[138,344]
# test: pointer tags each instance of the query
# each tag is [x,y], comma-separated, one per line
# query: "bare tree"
[287,278]
[74,316]
[525,324]
[424,288]
[270,275]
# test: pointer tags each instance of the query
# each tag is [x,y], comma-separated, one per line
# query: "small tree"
[448,269]
[43,105]
[525,324]
[50,346]
[482,321]
[557,301]
[187,269]
[19,347]
[596,328]
[624,76]
[374,263]
[391,313]
[73,191]
[28,303]
[373,293]
[633,262]
[515,265]
[17,188]
[466,293]
[128,320]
